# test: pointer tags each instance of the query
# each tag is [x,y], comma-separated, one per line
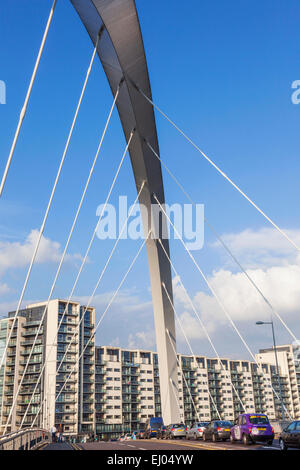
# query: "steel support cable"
[183,376]
[225,246]
[218,169]
[202,326]
[24,109]
[102,274]
[65,310]
[103,209]
[99,322]
[69,237]
[207,335]
[51,196]
[220,303]
[189,345]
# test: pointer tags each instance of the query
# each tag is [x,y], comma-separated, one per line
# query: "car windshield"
[258,420]
[202,424]
[224,424]
[176,426]
[155,426]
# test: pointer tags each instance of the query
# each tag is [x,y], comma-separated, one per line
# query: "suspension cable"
[102,274]
[24,109]
[51,198]
[189,345]
[201,323]
[218,169]
[225,246]
[220,303]
[65,310]
[56,277]
[99,322]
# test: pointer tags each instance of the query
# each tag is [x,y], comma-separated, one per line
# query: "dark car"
[141,434]
[163,432]
[252,427]
[290,436]
[217,430]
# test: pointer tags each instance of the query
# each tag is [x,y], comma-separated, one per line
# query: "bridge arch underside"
[122,55]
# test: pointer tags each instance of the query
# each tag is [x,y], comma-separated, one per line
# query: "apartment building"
[127,389]
[64,348]
[289,365]
[111,391]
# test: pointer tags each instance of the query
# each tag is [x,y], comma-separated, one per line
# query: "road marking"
[128,445]
[196,446]
[142,448]
[270,447]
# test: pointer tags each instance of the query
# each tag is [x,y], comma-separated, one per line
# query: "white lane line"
[270,447]
[128,445]
[142,448]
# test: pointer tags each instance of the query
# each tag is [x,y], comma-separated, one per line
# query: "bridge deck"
[58,446]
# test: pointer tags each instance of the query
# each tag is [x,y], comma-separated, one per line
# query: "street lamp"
[276,361]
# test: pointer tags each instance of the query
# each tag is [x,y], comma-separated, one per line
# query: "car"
[290,436]
[217,430]
[196,431]
[163,432]
[252,427]
[176,430]
[141,434]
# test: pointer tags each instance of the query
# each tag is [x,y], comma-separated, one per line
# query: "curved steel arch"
[122,55]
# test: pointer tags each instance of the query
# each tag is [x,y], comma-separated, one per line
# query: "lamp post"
[276,362]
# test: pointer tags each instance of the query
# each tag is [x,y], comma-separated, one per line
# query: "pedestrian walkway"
[58,446]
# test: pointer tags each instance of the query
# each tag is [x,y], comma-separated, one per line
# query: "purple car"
[252,427]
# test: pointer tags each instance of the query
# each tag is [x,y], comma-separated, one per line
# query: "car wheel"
[232,440]
[270,442]
[195,437]
[246,440]
[282,444]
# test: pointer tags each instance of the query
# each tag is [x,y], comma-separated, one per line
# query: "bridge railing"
[26,439]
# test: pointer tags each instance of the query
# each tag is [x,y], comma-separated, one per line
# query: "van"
[153,427]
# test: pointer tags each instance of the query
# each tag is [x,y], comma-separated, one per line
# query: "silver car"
[176,430]
[196,431]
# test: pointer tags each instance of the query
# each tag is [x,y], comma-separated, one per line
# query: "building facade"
[289,365]
[83,388]
[60,352]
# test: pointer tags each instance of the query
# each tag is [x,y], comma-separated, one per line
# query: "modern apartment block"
[61,351]
[128,392]
[289,364]
[111,391]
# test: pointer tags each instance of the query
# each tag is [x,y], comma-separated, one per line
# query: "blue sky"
[223,72]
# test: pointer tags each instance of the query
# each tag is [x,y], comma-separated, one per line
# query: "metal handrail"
[25,439]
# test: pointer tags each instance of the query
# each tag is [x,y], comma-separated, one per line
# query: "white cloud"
[4,289]
[142,340]
[18,254]
[262,248]
[275,269]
